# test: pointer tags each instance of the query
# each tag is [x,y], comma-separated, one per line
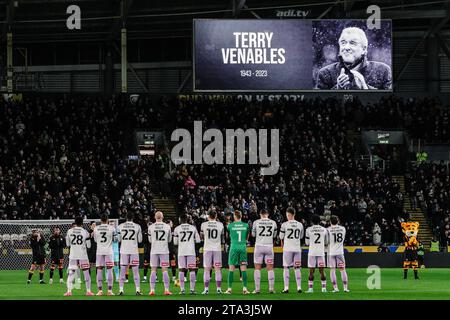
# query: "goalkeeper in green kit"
[238,232]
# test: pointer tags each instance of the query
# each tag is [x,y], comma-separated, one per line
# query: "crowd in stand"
[424,118]
[429,188]
[318,170]
[62,157]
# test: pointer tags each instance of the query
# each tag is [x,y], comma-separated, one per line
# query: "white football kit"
[317,239]
[336,257]
[291,232]
[78,241]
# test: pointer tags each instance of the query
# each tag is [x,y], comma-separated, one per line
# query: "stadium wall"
[20,259]
[359,260]
[363,260]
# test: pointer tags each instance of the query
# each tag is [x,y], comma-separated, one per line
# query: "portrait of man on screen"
[353,70]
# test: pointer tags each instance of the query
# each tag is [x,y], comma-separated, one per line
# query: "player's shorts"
[56,257]
[129,259]
[237,256]
[38,260]
[57,260]
[212,259]
[263,253]
[411,255]
[186,262]
[292,259]
[159,260]
[316,261]
[105,260]
[336,261]
[82,263]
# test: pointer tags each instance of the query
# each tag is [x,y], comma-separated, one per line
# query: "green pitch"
[433,284]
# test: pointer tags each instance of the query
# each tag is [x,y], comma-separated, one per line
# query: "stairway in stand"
[168,207]
[425,232]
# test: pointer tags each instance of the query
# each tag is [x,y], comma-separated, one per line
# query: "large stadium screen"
[291,55]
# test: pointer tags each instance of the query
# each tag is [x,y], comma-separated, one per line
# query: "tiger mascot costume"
[410,229]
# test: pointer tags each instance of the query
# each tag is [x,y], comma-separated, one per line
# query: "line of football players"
[185,237]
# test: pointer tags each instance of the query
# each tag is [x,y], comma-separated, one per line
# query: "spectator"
[435,246]
[376,234]
[68,156]
[362,207]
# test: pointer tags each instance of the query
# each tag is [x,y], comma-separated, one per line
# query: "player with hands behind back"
[185,236]
[78,241]
[317,239]
[130,235]
[159,237]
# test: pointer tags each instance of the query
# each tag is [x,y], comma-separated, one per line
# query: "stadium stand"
[319,172]
[64,157]
[67,156]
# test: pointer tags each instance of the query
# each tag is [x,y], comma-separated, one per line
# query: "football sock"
[257,276]
[344,278]
[87,279]
[298,277]
[333,277]
[286,277]
[122,277]
[100,279]
[70,279]
[77,274]
[117,272]
[109,278]
[193,276]
[136,278]
[206,278]
[219,278]
[181,276]
[271,277]
[230,278]
[244,278]
[166,280]
[152,280]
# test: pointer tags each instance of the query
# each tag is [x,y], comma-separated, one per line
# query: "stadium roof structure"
[159,32]
[45,20]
